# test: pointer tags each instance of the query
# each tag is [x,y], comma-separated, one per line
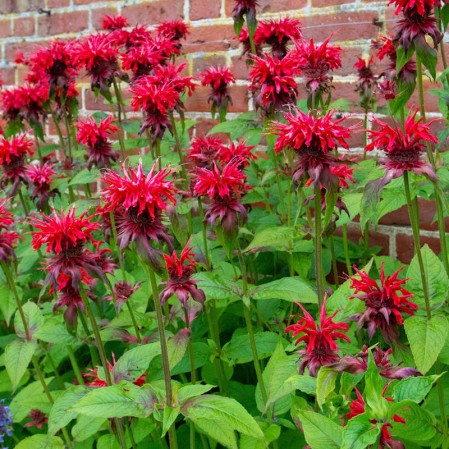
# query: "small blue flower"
[5,421]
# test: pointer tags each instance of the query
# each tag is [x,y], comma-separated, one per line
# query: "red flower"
[316,61]
[122,291]
[357,407]
[41,177]
[37,417]
[403,148]
[359,364]
[244,40]
[218,78]
[366,83]
[278,33]
[174,30]
[114,23]
[419,5]
[8,238]
[245,7]
[180,269]
[98,55]
[98,380]
[142,59]
[241,152]
[312,138]
[137,201]
[135,190]
[384,304]
[205,150]
[272,82]
[321,349]
[95,136]
[6,217]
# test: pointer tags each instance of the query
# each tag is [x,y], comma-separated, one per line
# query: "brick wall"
[24,24]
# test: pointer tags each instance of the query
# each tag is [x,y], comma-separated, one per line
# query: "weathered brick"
[405,248]
[154,12]
[210,38]
[321,3]
[201,64]
[375,238]
[23,46]
[57,3]
[84,2]
[98,15]
[62,23]
[204,9]
[24,26]
[269,6]
[240,68]
[8,75]
[18,6]
[92,103]
[5,28]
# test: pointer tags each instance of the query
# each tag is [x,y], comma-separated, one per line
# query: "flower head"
[141,59]
[219,79]
[8,238]
[366,82]
[6,421]
[384,303]
[41,177]
[122,291]
[420,5]
[38,418]
[239,151]
[114,23]
[95,136]
[174,30]
[180,270]
[321,349]
[205,150]
[316,61]
[278,33]
[403,148]
[245,7]
[272,82]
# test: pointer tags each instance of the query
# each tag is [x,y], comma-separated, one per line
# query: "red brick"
[154,12]
[313,26]
[204,9]
[210,38]
[8,75]
[405,248]
[62,23]
[98,15]
[198,101]
[24,26]
[57,3]
[26,47]
[5,28]
[91,103]
[270,6]
[84,2]
[15,6]
[201,64]
[375,238]
[240,68]
[319,3]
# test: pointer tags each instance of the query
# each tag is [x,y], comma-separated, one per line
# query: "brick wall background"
[24,24]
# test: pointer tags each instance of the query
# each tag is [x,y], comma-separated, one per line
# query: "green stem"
[75,366]
[192,376]
[417,242]
[164,352]
[23,202]
[38,148]
[92,349]
[334,261]
[204,232]
[318,249]
[104,360]
[346,250]
[59,132]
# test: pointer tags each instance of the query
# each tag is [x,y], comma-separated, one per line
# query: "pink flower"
[321,349]
[41,177]
[384,304]
[38,418]
[205,150]
[8,239]
[174,30]
[366,82]
[114,23]
[403,148]
[122,291]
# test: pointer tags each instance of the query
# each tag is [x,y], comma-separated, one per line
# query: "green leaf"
[359,433]
[54,331]
[86,426]
[215,287]
[41,442]
[320,432]
[18,355]
[374,386]
[60,414]
[85,177]
[444,14]
[230,413]
[403,57]
[115,401]
[33,318]
[238,350]
[392,199]
[419,423]
[414,388]
[426,338]
[133,363]
[292,289]
[437,279]
[8,304]
[325,384]
[370,201]
[170,415]
[191,391]
[428,55]
[276,238]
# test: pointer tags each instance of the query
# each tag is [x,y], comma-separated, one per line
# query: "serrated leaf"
[428,56]
[86,426]
[292,289]
[41,442]
[8,304]
[414,388]
[437,279]
[191,391]
[374,387]
[426,338]
[359,433]
[274,238]
[114,401]
[325,384]
[170,415]
[133,363]
[85,177]
[320,432]
[403,57]
[18,355]
[53,331]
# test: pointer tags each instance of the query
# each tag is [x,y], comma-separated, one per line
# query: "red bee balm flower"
[366,82]
[384,304]
[41,177]
[114,23]
[95,136]
[137,201]
[218,78]
[8,238]
[321,349]
[278,33]
[312,138]
[180,269]
[420,5]
[403,148]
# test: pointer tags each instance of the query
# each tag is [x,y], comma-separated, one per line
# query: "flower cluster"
[8,238]
[40,177]
[5,421]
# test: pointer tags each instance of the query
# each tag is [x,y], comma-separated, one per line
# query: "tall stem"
[164,352]
[75,366]
[318,249]
[104,360]
[204,232]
